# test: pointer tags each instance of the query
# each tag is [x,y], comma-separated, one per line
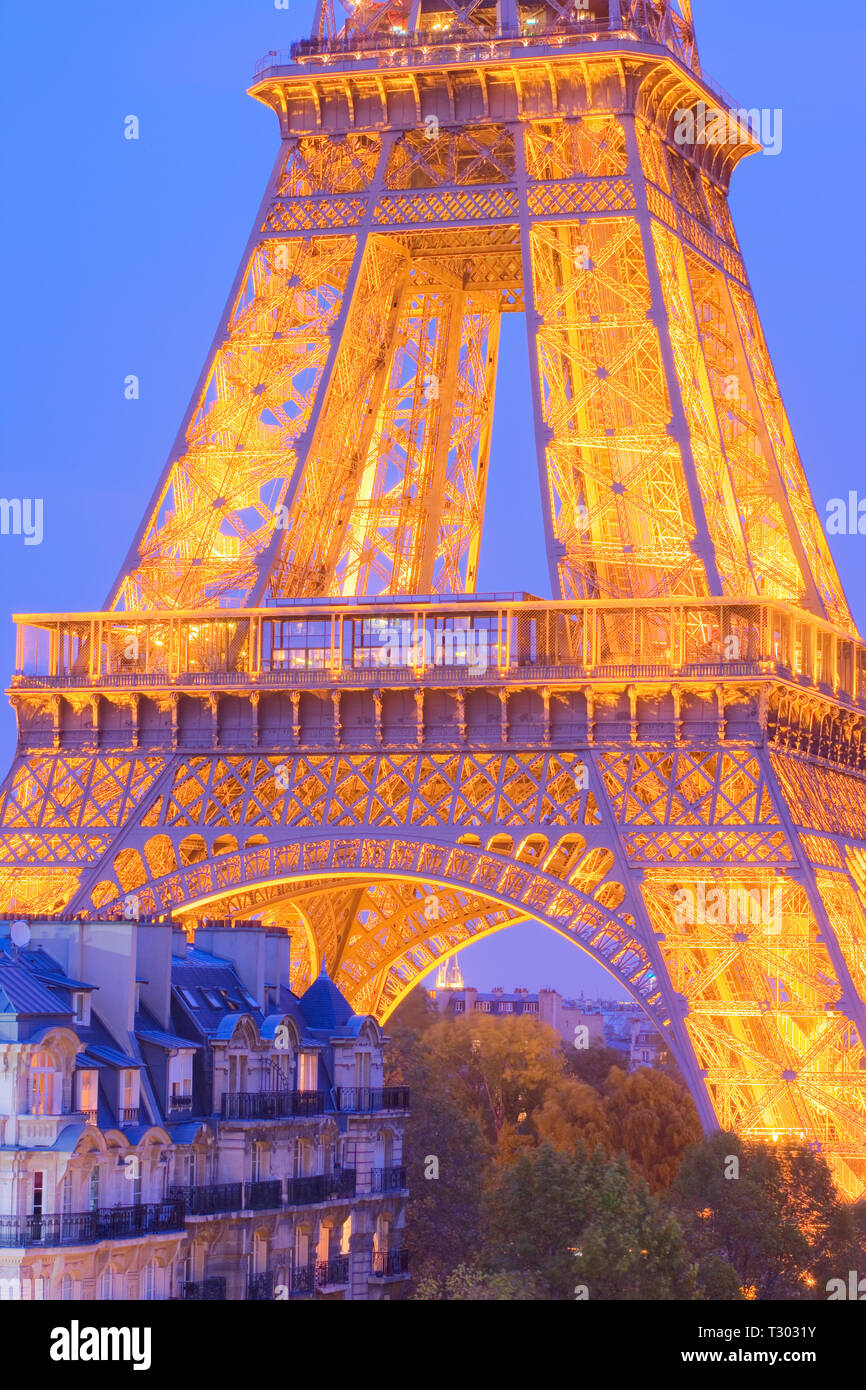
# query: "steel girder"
[337,444]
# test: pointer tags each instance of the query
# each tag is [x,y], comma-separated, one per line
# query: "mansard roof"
[20,993]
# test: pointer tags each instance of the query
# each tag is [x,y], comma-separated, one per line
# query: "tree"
[446,1160]
[653,1120]
[770,1211]
[468,1283]
[499,1067]
[592,1064]
[573,1113]
[578,1222]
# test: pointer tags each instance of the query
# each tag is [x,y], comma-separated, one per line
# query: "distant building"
[647,1047]
[176,1123]
[452,997]
[612,1023]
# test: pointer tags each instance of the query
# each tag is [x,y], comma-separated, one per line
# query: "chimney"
[278,958]
[154,950]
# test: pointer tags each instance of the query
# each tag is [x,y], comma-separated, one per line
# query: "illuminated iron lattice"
[237,735]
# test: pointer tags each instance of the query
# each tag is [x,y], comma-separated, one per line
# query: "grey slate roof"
[323,1006]
[22,993]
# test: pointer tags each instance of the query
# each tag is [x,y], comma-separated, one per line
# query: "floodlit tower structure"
[295,705]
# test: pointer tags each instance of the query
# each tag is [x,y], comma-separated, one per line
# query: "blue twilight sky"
[118,256]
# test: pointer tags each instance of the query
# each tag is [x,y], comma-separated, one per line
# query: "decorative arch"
[381,910]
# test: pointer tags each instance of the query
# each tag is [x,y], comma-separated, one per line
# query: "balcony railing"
[321,1187]
[390,1264]
[206,1290]
[260,1286]
[180,1103]
[495,638]
[364,1099]
[271,1105]
[303,1280]
[87,1227]
[128,1115]
[387,1179]
[260,1196]
[332,1271]
[209,1199]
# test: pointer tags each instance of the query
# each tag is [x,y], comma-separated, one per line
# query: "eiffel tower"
[295,708]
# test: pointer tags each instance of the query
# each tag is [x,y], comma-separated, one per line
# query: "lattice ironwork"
[274,719]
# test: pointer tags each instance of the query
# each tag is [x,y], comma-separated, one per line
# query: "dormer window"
[81,1007]
[44,1085]
[86,1094]
[308,1071]
[180,1082]
[129,1102]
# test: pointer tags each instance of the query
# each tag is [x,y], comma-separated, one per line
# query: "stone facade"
[176,1123]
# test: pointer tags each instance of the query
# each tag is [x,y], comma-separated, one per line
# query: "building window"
[180,1080]
[237,1072]
[81,1007]
[38,1192]
[308,1071]
[150,1281]
[129,1095]
[66,1287]
[106,1291]
[93,1190]
[259,1163]
[86,1082]
[42,1084]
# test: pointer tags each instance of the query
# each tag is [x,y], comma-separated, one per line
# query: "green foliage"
[557,1172]
[468,1283]
[581,1219]
[592,1064]
[443,1225]
[779,1224]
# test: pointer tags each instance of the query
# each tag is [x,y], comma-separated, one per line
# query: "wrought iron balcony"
[364,1099]
[260,1286]
[387,1179]
[321,1187]
[206,1290]
[390,1264]
[333,1271]
[260,1196]
[271,1105]
[180,1103]
[302,1280]
[209,1199]
[87,1227]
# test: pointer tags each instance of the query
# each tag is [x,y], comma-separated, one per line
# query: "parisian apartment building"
[175,1123]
